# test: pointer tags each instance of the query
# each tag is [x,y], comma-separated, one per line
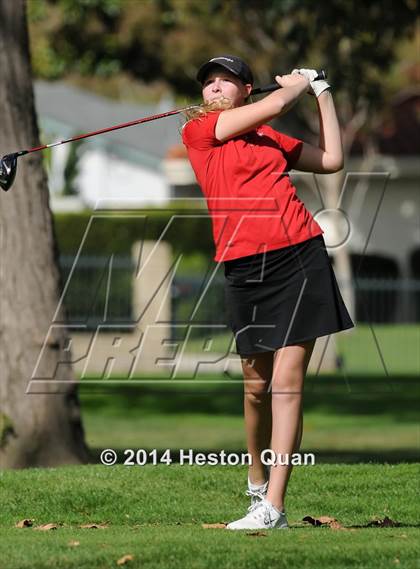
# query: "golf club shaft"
[259,90]
[104,130]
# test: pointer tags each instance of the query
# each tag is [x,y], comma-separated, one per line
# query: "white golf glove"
[316,87]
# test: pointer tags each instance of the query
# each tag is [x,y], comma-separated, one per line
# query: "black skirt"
[283,297]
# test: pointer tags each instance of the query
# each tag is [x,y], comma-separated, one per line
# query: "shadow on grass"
[399,525]
[321,456]
[397,397]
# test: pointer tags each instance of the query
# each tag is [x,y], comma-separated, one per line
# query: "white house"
[123,166]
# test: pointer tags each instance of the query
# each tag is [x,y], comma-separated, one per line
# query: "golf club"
[8,164]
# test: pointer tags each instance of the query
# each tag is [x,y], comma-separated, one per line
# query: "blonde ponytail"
[202,110]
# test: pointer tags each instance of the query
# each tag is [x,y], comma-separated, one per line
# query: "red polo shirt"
[251,200]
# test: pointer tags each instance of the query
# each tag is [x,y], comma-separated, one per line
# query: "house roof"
[65,111]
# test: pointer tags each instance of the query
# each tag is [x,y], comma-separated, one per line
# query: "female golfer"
[280,290]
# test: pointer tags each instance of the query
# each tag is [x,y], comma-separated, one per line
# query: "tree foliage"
[169,39]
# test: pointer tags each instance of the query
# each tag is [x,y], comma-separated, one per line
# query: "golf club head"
[8,165]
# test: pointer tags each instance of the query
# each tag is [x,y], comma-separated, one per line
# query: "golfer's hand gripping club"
[317,85]
[320,76]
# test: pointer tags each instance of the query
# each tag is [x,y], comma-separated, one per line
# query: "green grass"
[353,419]
[395,346]
[155,513]
[351,439]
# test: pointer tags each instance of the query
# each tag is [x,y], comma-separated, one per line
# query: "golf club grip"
[322,75]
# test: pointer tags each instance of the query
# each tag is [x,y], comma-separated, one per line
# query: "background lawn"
[347,419]
[365,349]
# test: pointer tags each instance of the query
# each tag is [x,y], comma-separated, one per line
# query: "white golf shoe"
[256,492]
[263,516]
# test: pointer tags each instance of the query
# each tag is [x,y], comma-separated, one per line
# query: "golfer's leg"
[298,440]
[296,447]
[257,371]
[289,369]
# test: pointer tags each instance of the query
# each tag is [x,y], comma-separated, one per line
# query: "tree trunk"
[41,429]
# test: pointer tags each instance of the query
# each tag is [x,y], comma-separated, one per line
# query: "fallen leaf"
[125,559]
[385,523]
[256,533]
[336,525]
[327,520]
[323,521]
[46,527]
[24,524]
[94,526]
[213,526]
[73,543]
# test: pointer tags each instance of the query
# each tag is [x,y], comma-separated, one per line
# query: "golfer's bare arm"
[327,157]
[234,122]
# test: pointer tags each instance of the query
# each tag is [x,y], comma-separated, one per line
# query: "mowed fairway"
[356,426]
[155,514]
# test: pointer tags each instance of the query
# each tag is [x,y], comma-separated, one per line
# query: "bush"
[115,232]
